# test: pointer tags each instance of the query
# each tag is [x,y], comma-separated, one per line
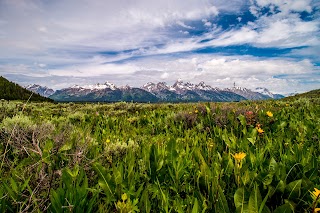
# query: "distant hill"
[13,91]
[310,94]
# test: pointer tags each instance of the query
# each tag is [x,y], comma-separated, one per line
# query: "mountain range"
[153,92]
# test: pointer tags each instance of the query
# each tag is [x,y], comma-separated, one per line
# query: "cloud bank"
[253,42]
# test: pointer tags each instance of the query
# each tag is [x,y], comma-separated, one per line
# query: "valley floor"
[249,156]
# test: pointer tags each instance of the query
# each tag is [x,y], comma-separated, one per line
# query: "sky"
[254,43]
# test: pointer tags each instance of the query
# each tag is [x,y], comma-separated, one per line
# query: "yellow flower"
[108,141]
[269,114]
[124,197]
[196,111]
[315,193]
[211,144]
[260,130]
[287,104]
[239,156]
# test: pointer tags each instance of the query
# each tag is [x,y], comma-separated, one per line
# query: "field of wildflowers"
[255,157]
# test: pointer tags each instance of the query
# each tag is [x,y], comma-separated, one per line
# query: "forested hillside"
[13,91]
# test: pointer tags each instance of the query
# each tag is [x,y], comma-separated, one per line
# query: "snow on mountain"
[98,86]
[264,91]
[41,90]
[153,87]
[247,93]
[161,92]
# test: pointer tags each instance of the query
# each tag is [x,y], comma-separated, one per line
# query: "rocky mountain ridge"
[159,92]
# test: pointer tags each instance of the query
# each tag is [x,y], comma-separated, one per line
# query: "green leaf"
[267,180]
[242,120]
[160,164]
[285,208]
[66,147]
[171,149]
[222,204]
[246,177]
[74,172]
[14,185]
[294,188]
[252,140]
[281,186]
[153,162]
[273,166]
[241,199]
[282,125]
[263,208]
[255,200]
[195,208]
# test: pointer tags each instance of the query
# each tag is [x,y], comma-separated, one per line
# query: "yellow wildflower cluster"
[315,194]
[269,114]
[239,156]
[260,131]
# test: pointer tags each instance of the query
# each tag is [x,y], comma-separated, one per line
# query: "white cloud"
[288,5]
[279,75]
[184,25]
[91,70]
[274,31]
[165,75]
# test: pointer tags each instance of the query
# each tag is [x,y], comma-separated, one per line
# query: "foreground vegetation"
[127,157]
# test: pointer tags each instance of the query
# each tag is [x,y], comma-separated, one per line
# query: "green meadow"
[251,156]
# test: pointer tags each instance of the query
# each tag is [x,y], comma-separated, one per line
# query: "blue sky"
[269,43]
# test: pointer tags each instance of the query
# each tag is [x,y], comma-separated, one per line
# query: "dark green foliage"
[129,157]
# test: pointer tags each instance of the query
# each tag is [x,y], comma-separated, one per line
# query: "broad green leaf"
[160,164]
[285,208]
[171,149]
[267,180]
[281,186]
[241,198]
[242,120]
[294,188]
[245,177]
[252,140]
[67,146]
[254,200]
[195,208]
[273,166]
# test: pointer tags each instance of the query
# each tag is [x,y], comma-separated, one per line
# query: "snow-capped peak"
[41,90]
[110,85]
[151,87]
[264,91]
[98,86]
[183,86]
[203,86]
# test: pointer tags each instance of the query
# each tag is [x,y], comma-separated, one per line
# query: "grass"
[127,157]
